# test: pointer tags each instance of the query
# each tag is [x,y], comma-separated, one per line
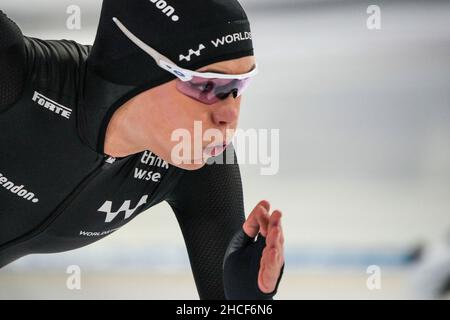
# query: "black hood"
[100,98]
[216,30]
[116,69]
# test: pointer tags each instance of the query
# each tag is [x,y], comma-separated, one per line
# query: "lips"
[213,151]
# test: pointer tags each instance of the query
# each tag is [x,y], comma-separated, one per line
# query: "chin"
[192,167]
[189,166]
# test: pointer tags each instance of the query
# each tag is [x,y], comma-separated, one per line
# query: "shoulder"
[55,63]
[10,33]
[12,61]
[47,64]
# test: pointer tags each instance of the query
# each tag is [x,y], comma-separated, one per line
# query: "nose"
[226,112]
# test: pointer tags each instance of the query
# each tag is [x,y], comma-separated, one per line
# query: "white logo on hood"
[191,52]
[231,38]
[165,8]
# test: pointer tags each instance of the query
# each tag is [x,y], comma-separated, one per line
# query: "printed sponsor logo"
[97,233]
[166,9]
[51,105]
[18,190]
[125,207]
[191,52]
[150,159]
[231,38]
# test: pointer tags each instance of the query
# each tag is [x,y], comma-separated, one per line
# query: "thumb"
[258,220]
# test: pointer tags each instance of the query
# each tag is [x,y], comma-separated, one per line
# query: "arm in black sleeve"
[208,204]
[12,61]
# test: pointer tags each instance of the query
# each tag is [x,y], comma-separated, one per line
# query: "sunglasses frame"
[168,65]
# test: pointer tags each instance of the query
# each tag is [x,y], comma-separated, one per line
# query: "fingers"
[273,239]
[270,269]
[273,254]
[275,224]
[275,236]
[265,204]
[272,258]
[258,220]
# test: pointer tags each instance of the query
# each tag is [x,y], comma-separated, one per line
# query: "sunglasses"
[206,87]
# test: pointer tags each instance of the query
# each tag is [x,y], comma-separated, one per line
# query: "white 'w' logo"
[191,52]
[110,216]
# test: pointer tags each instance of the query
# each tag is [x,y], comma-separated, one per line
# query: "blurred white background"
[364,119]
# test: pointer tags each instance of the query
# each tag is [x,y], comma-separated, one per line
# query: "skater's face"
[163,117]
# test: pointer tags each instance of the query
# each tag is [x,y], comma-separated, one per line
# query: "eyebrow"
[221,72]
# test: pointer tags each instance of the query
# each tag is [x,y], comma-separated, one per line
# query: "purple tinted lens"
[236,86]
[210,91]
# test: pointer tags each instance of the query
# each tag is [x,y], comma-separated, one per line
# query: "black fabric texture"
[241,266]
[12,61]
[208,204]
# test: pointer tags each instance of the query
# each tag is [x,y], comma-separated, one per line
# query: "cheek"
[181,112]
[173,111]
[176,113]
[171,114]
